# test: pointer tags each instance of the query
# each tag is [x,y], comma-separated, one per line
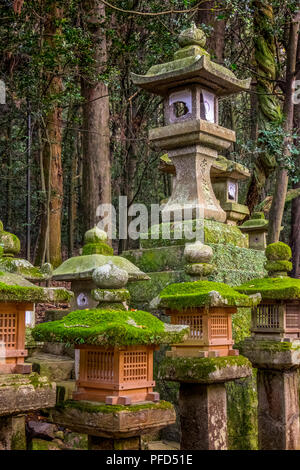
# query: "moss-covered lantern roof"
[204,294]
[82,267]
[14,288]
[272,288]
[110,328]
[191,64]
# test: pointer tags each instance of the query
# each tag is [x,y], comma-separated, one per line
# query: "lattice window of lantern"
[267,316]
[8,329]
[292,317]
[194,321]
[218,325]
[135,366]
[100,366]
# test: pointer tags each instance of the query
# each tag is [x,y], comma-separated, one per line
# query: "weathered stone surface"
[110,276]
[20,393]
[65,390]
[112,295]
[95,235]
[198,252]
[200,269]
[98,443]
[278,410]
[76,441]
[274,355]
[203,418]
[54,367]
[41,429]
[12,433]
[113,424]
[205,370]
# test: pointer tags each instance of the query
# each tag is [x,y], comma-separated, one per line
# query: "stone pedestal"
[112,427]
[203,417]
[277,389]
[202,397]
[19,394]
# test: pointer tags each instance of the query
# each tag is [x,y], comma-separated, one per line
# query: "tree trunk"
[96,178]
[268,106]
[49,247]
[277,207]
[295,221]
[216,40]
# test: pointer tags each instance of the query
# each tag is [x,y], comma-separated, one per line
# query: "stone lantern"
[79,269]
[10,262]
[274,349]
[116,366]
[207,308]
[257,228]
[17,296]
[191,85]
[225,176]
[116,345]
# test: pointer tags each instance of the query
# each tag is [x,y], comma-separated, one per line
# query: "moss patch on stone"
[285,288]
[279,266]
[99,248]
[202,293]
[179,233]
[199,369]
[91,407]
[278,251]
[108,328]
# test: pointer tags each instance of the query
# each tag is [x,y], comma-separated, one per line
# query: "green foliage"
[107,328]
[278,251]
[88,407]
[279,266]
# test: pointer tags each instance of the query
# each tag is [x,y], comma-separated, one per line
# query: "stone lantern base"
[113,427]
[20,394]
[202,397]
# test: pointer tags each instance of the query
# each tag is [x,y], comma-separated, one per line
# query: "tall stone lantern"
[192,85]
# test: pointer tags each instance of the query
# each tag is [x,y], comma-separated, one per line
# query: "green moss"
[255,223]
[24,268]
[90,407]
[242,414]
[14,288]
[99,248]
[241,323]
[202,293]
[279,266]
[107,328]
[198,369]
[10,242]
[214,232]
[272,288]
[258,215]
[278,252]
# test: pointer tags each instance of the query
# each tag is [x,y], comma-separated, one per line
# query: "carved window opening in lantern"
[116,375]
[12,337]
[210,331]
[276,320]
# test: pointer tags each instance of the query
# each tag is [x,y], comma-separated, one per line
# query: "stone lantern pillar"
[205,360]
[191,85]
[20,390]
[274,349]
[114,401]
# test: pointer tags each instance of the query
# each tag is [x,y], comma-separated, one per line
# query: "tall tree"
[49,247]
[295,213]
[278,202]
[208,15]
[268,106]
[96,179]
